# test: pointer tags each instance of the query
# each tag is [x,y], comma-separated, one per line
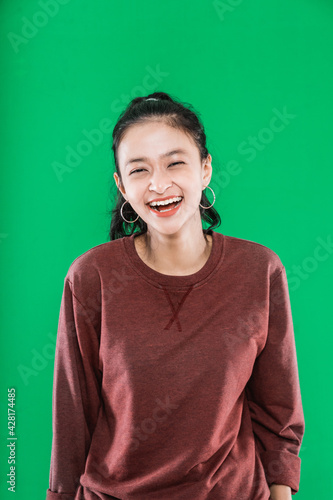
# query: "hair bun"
[159,95]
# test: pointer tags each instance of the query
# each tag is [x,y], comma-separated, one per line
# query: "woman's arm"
[280,492]
[274,396]
[76,395]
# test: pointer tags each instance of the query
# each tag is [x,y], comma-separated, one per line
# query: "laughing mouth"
[160,209]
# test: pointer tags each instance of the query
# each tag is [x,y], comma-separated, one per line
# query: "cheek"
[134,187]
[186,179]
[192,194]
[137,192]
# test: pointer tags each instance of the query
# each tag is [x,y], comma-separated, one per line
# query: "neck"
[177,254]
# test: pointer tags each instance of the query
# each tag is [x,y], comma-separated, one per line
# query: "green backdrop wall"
[261,76]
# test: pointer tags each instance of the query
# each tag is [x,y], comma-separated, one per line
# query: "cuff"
[53,495]
[282,467]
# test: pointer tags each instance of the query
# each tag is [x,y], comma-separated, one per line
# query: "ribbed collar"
[158,279]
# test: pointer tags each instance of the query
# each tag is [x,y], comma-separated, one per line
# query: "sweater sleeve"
[76,395]
[273,393]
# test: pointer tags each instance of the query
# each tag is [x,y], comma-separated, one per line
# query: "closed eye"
[139,169]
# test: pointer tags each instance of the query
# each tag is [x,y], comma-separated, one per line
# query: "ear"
[119,185]
[207,170]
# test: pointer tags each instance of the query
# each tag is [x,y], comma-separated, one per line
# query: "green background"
[239,63]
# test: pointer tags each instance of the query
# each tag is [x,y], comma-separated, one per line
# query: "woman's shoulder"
[90,263]
[252,254]
[252,246]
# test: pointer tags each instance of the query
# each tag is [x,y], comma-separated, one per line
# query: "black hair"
[175,114]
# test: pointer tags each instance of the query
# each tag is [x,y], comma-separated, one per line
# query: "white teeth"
[165,202]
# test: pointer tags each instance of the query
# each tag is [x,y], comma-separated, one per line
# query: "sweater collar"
[170,281]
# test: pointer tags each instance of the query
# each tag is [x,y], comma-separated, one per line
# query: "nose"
[160,181]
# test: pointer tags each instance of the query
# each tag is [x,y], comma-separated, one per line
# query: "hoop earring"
[121,213]
[213,201]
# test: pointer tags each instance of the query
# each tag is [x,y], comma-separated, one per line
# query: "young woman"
[176,374]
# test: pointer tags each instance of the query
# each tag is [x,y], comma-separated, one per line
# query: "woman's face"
[156,173]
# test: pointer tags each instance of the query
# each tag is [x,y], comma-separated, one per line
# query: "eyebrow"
[164,155]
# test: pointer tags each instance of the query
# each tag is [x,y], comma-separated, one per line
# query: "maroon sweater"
[175,387]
